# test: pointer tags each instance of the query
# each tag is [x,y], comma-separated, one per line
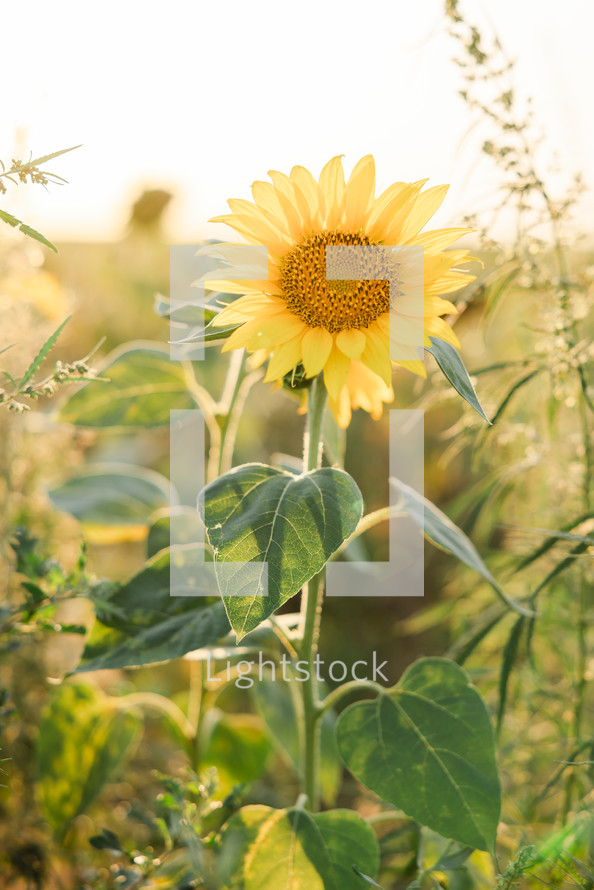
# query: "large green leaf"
[112,494]
[143,386]
[82,742]
[445,534]
[452,367]
[266,849]
[427,747]
[140,622]
[267,522]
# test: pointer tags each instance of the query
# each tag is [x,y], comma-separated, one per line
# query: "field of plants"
[182,703]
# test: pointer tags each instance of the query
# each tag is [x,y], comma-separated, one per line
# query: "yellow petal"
[335,371]
[352,343]
[445,284]
[437,306]
[388,226]
[284,359]
[316,347]
[437,239]
[258,358]
[386,204]
[331,192]
[266,332]
[437,327]
[247,286]
[246,335]
[309,189]
[425,206]
[417,367]
[274,240]
[359,193]
[286,194]
[399,345]
[265,198]
[341,408]
[253,221]
[246,308]
[377,355]
[279,328]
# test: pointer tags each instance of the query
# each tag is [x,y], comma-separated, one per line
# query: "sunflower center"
[336,305]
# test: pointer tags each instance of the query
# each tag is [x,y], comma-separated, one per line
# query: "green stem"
[225,409]
[311,611]
[341,692]
[312,441]
[197,694]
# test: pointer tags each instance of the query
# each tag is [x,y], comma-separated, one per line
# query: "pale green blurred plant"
[29,171]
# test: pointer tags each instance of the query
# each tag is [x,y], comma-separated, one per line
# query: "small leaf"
[452,367]
[366,878]
[107,840]
[25,229]
[262,520]
[38,162]
[441,531]
[144,385]
[427,747]
[43,352]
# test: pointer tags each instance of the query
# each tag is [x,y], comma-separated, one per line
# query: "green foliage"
[27,388]
[237,746]
[452,367]
[112,494]
[293,524]
[25,229]
[139,622]
[277,705]
[18,172]
[267,849]
[445,534]
[82,743]
[144,386]
[426,746]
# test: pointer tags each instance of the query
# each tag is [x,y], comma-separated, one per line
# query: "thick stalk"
[311,611]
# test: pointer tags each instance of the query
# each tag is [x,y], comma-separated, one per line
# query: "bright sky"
[205,98]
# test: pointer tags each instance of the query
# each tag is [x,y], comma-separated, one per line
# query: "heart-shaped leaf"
[272,531]
[427,748]
[265,849]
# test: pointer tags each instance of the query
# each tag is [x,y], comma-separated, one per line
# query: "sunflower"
[299,318]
